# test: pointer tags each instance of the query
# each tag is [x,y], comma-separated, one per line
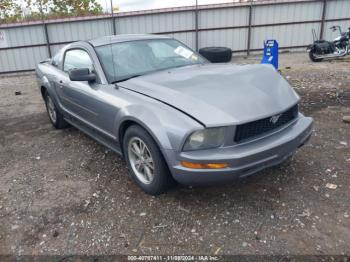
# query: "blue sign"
[270,53]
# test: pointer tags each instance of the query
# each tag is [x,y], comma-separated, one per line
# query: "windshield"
[122,61]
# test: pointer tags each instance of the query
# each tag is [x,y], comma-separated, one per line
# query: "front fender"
[145,118]
[166,125]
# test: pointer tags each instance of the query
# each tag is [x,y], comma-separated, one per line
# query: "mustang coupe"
[173,115]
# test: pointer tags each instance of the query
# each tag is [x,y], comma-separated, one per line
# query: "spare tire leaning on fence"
[216,54]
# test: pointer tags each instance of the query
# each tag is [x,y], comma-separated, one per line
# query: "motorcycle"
[322,49]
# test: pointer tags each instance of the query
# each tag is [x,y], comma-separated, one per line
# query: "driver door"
[78,98]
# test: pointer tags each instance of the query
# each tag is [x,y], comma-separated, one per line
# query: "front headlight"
[204,139]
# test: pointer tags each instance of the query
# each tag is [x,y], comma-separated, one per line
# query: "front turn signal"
[204,165]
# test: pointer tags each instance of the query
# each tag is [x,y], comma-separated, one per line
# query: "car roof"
[105,40]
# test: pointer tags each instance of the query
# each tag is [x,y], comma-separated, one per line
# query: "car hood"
[219,94]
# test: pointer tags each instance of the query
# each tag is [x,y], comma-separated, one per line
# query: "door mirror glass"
[81,74]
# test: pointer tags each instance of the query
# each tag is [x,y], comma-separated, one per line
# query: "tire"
[216,54]
[162,179]
[312,56]
[55,116]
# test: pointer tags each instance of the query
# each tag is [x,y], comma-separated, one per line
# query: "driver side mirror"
[81,74]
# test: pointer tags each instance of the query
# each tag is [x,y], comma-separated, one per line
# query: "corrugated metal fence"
[242,27]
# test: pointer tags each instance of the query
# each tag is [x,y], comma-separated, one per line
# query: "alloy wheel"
[51,110]
[141,160]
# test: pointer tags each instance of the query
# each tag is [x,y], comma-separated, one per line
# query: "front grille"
[262,126]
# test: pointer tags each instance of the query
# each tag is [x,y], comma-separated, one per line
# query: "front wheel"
[313,57]
[146,163]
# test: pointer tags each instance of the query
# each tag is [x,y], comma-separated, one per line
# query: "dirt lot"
[63,193]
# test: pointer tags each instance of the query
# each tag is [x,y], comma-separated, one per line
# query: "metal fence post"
[114,28]
[113,19]
[249,27]
[196,25]
[324,10]
[47,39]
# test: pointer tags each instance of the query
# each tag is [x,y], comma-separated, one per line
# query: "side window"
[77,58]
[57,58]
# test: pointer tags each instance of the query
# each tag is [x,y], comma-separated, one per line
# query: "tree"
[59,8]
[76,7]
[9,11]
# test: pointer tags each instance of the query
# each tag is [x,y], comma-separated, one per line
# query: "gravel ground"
[63,193]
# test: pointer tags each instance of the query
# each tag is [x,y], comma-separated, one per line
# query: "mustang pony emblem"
[275,118]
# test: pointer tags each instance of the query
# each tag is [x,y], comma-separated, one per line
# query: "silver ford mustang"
[173,115]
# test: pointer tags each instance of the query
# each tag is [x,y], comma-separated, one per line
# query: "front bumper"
[244,159]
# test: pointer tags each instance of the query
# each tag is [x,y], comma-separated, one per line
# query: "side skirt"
[96,135]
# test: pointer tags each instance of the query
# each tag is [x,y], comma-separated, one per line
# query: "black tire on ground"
[162,180]
[217,54]
[313,58]
[58,122]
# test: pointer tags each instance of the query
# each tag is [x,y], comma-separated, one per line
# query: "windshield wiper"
[126,78]
[152,71]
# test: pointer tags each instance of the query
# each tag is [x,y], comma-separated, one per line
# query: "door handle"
[60,84]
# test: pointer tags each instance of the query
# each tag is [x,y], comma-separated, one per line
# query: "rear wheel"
[55,116]
[145,161]
[313,56]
